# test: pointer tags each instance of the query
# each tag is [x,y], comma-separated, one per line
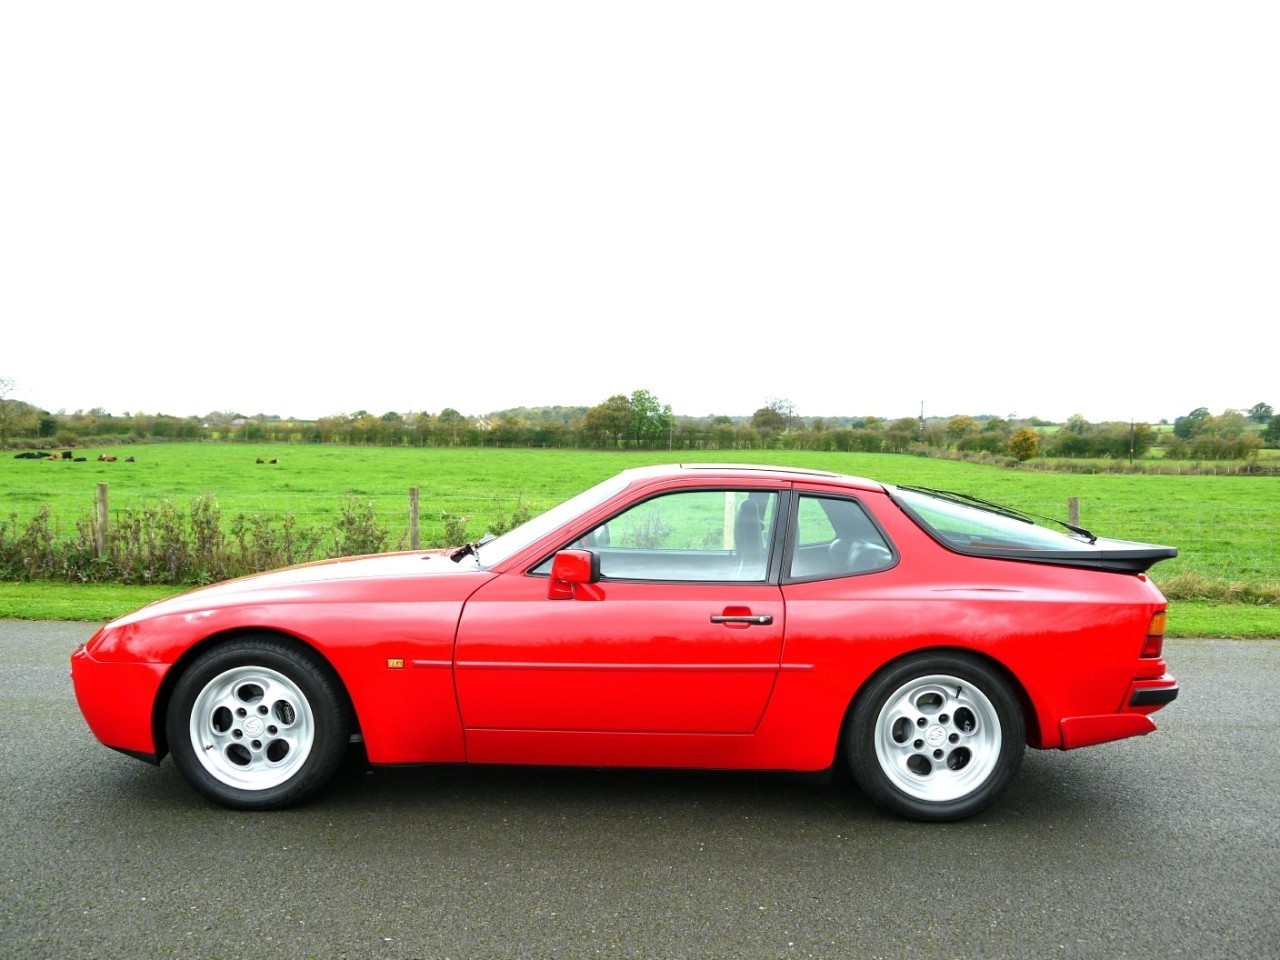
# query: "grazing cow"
[274,460]
[128,460]
[66,454]
[103,458]
[260,460]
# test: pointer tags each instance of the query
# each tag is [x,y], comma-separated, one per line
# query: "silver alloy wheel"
[938,738]
[252,728]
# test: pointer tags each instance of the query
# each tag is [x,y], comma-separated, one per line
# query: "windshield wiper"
[471,549]
[1000,508]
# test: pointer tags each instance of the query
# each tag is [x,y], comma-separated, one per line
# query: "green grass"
[93,602]
[1227,528]
[98,603]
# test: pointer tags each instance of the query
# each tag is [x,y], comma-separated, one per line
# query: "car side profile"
[697,616]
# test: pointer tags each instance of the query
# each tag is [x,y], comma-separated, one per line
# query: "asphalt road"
[1163,846]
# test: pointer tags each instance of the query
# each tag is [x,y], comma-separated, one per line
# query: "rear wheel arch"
[909,773]
[1030,719]
[1015,685]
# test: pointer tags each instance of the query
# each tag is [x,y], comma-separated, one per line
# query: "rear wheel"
[258,724]
[936,737]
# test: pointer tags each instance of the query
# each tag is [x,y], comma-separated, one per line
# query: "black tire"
[259,723]
[935,737]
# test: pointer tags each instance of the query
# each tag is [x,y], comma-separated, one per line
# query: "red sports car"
[708,616]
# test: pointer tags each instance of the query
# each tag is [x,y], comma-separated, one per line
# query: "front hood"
[388,576]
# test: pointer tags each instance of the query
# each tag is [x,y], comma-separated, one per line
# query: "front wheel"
[936,737]
[257,724]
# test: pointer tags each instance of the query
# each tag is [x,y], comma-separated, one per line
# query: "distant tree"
[1142,438]
[510,431]
[1071,441]
[777,414]
[549,433]
[1229,424]
[1261,412]
[608,423]
[1209,446]
[1188,426]
[746,437]
[960,427]
[900,434]
[1077,424]
[1271,434]
[451,424]
[651,422]
[723,432]
[1024,444]
[865,441]
[16,417]
[767,418]
[1115,439]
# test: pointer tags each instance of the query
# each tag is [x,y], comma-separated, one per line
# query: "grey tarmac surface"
[1162,846]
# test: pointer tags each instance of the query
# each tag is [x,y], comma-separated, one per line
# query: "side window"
[708,535]
[836,538]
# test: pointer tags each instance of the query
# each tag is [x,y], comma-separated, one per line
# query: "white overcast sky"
[314,208]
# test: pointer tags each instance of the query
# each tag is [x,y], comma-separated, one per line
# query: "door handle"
[762,620]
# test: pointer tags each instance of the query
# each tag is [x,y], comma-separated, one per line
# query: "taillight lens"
[1153,646]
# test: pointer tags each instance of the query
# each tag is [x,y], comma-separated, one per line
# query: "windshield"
[973,528]
[513,541]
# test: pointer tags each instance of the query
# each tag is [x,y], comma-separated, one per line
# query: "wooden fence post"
[414,539]
[100,522]
[1073,511]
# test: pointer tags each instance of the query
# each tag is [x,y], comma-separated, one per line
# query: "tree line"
[641,421]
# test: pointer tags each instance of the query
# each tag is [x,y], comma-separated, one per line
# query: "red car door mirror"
[571,567]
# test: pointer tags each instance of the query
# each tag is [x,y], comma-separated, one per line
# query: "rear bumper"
[1152,696]
[1143,697]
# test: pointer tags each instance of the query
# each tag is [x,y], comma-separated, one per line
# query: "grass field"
[1227,528]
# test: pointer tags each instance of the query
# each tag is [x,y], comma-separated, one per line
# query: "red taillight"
[1153,646]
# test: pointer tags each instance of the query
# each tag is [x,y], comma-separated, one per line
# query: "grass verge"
[97,603]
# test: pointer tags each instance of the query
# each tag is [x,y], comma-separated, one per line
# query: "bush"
[159,544]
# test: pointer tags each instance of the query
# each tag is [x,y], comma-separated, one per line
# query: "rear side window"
[971,529]
[836,538]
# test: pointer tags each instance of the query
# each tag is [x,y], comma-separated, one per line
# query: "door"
[682,634]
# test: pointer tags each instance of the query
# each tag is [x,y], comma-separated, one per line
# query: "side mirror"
[569,568]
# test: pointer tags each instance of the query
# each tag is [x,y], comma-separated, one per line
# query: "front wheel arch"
[299,672]
[160,708]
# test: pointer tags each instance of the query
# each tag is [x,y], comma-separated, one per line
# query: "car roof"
[755,471]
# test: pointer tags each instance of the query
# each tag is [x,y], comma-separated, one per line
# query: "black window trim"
[793,537]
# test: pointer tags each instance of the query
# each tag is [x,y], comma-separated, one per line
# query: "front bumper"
[117,700]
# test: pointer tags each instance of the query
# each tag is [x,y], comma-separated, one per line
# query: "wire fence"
[134,538]
[198,511]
